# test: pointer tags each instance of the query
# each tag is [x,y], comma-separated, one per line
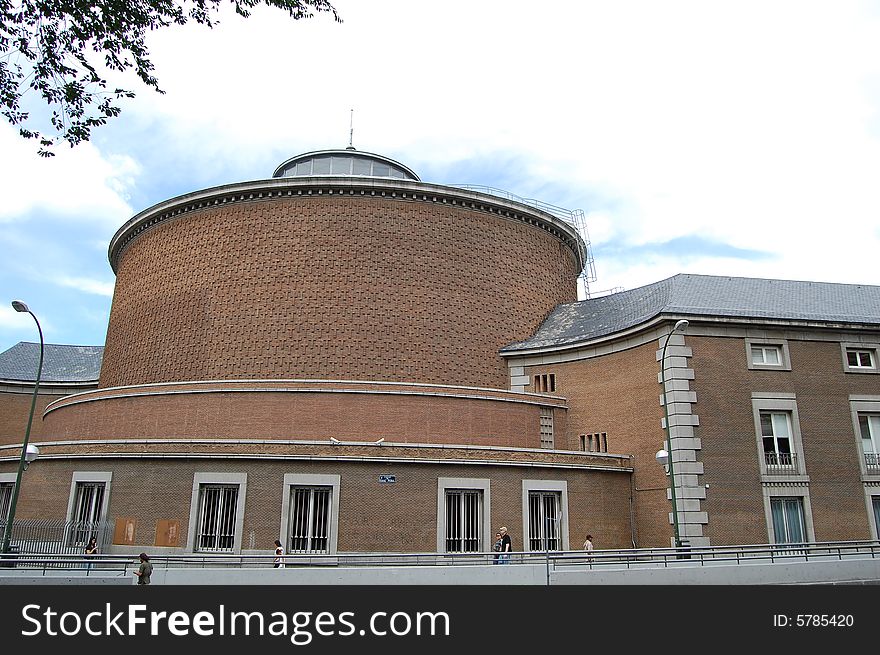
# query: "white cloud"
[86,285]
[81,183]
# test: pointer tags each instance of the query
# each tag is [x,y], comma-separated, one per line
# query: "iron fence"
[56,536]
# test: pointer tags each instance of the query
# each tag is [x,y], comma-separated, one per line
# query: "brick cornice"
[336,187]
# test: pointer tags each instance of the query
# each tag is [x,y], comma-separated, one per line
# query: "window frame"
[771,491]
[859,406]
[553,486]
[295,480]
[872,348]
[87,477]
[779,403]
[6,480]
[784,356]
[449,484]
[206,479]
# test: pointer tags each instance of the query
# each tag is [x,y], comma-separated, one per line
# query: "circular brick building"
[316,357]
[343,286]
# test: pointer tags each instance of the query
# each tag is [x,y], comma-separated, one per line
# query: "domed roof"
[344,162]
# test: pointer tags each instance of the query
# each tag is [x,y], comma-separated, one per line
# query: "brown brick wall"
[400,517]
[408,418]
[14,409]
[724,385]
[619,394]
[332,288]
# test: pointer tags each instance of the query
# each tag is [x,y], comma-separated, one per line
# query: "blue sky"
[724,138]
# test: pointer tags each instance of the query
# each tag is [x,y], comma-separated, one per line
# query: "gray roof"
[706,296]
[61,363]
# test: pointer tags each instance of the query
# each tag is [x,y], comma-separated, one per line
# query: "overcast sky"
[724,138]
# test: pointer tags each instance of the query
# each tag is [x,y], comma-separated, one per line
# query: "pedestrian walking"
[506,546]
[279,555]
[145,570]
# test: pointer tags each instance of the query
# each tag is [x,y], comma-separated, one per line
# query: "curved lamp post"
[665,457]
[28,453]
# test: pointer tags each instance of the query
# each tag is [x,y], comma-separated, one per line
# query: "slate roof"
[61,363]
[708,296]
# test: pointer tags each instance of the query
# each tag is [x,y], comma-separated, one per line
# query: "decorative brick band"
[404,190]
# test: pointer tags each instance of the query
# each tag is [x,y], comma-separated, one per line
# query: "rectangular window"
[869,427]
[776,437]
[546,427]
[5,499]
[216,522]
[595,443]
[464,520]
[788,520]
[5,502]
[766,355]
[859,358]
[544,520]
[875,503]
[309,522]
[87,507]
[545,383]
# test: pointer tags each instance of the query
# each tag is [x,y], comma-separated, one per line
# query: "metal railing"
[567,215]
[781,463]
[641,558]
[56,536]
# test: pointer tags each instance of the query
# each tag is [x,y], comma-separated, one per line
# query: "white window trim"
[875,352]
[90,476]
[871,493]
[785,359]
[864,405]
[482,484]
[784,490]
[560,486]
[779,402]
[311,480]
[217,478]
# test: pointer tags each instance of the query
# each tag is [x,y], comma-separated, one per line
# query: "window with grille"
[595,443]
[546,427]
[464,521]
[5,501]
[544,520]
[87,506]
[545,383]
[216,523]
[788,520]
[309,522]
[776,437]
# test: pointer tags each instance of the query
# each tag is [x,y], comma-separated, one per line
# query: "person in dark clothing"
[506,546]
[145,570]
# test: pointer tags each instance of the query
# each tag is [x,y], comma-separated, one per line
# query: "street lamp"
[665,457]
[28,453]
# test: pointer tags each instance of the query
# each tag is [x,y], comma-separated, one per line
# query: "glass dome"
[347,162]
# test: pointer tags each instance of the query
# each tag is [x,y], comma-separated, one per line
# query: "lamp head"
[19,306]
[662,457]
[681,325]
[30,454]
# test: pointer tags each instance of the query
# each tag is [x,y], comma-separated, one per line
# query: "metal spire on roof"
[351,131]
